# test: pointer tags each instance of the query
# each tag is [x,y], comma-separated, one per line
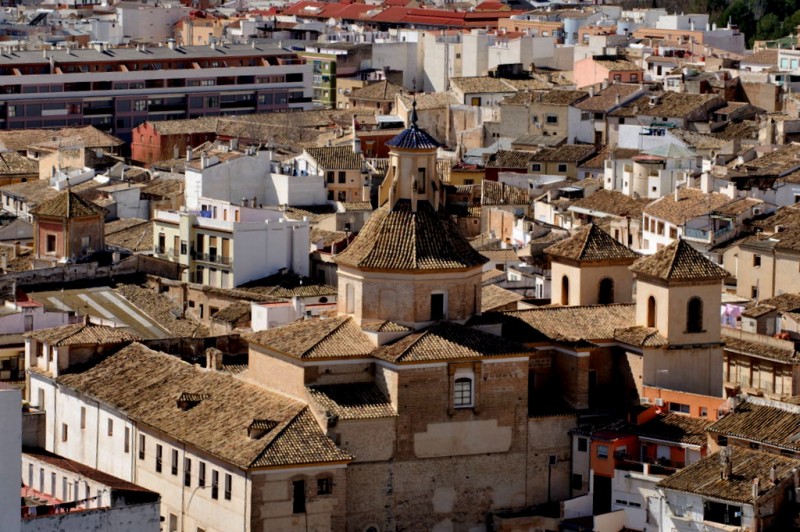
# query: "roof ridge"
[277,434]
[415,342]
[327,336]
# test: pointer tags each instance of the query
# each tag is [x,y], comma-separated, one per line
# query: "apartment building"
[224,245]
[116,89]
[343,168]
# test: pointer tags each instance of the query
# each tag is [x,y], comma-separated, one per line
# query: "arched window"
[606,292]
[565,290]
[462,392]
[651,311]
[694,315]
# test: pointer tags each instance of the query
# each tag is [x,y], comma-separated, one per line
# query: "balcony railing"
[212,258]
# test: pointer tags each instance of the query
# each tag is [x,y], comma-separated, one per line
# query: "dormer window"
[190,400]
[259,427]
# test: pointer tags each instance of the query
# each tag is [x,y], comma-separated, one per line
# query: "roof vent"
[259,427]
[187,401]
[655,100]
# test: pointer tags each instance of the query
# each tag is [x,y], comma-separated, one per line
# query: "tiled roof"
[703,477]
[607,98]
[698,141]
[760,346]
[68,205]
[131,233]
[236,311]
[674,427]
[612,202]
[786,302]
[90,137]
[567,153]
[161,308]
[616,65]
[738,206]
[567,324]
[33,192]
[590,244]
[549,97]
[496,193]
[134,381]
[679,262]
[481,84]
[494,297]
[352,206]
[767,57]
[640,336]
[383,326]
[358,400]
[12,163]
[762,424]
[501,255]
[678,105]
[447,341]
[780,161]
[206,124]
[431,100]
[82,334]
[745,130]
[413,138]
[399,239]
[691,203]
[316,338]
[510,159]
[336,158]
[166,188]
[377,92]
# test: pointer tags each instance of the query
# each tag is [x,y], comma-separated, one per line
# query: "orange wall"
[695,401]
[605,466]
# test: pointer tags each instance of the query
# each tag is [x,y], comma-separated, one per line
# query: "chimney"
[214,358]
[677,193]
[617,100]
[203,161]
[756,488]
[773,475]
[726,466]
[16,248]
[188,154]
[356,144]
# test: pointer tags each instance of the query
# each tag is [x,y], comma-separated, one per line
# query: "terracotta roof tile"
[691,203]
[568,324]
[67,204]
[762,424]
[640,336]
[12,163]
[703,477]
[679,262]
[575,153]
[316,338]
[674,427]
[336,158]
[496,193]
[358,400]
[82,334]
[399,239]
[383,326]
[611,202]
[592,244]
[548,97]
[136,236]
[218,424]
[494,297]
[377,92]
[447,341]
[606,99]
[233,313]
[510,159]
[482,84]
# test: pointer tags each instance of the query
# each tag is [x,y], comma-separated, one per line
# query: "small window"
[694,315]
[536,167]
[577,481]
[722,441]
[679,408]
[110,427]
[703,411]
[462,392]
[605,294]
[602,451]
[324,486]
[201,476]
[187,472]
[551,119]
[756,261]
[159,457]
[51,244]
[754,445]
[214,484]
[583,444]
[299,497]
[64,432]
[141,447]
[562,168]
[228,486]
[127,443]
[83,417]
[174,464]
[753,292]
[634,78]
[437,307]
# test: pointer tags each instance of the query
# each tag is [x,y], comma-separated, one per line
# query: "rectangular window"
[127,440]
[141,446]
[602,451]
[562,167]
[50,244]
[324,486]
[174,465]
[83,417]
[173,523]
[722,441]
[159,457]
[201,475]
[583,445]
[703,411]
[329,177]
[187,472]
[214,484]
[342,177]
[679,407]
[437,307]
[64,432]
[140,105]
[462,392]
[577,481]
[299,497]
[228,486]
[536,167]
[753,292]
[756,261]
[110,427]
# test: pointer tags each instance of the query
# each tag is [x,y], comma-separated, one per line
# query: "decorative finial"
[414,113]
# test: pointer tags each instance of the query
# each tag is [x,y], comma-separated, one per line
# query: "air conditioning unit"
[659,401]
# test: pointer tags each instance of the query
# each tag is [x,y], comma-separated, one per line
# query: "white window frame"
[463,374]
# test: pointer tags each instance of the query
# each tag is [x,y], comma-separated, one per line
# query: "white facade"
[255,178]
[150,23]
[10,457]
[23,317]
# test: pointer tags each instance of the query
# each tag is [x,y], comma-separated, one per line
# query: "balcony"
[706,235]
[212,258]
